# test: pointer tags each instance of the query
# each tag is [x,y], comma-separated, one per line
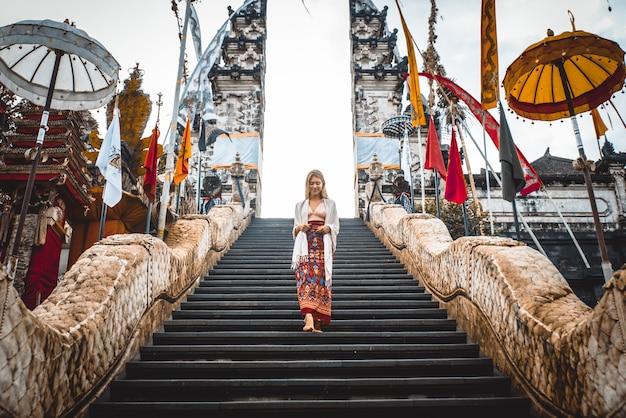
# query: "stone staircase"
[236,345]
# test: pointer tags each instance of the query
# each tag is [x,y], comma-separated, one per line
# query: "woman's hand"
[325,229]
[303,228]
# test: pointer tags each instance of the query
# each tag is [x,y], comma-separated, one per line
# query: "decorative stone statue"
[241,190]
[373,188]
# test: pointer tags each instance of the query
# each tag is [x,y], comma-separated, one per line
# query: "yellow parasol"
[578,64]
[560,77]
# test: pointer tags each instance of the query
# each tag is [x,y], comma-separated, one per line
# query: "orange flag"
[152,159]
[456,188]
[418,117]
[488,56]
[598,123]
[434,158]
[184,154]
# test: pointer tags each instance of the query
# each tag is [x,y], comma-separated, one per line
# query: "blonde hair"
[307,186]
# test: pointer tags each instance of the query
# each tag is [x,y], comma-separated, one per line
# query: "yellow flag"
[598,123]
[184,154]
[489,92]
[418,117]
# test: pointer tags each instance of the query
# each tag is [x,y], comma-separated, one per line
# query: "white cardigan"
[300,248]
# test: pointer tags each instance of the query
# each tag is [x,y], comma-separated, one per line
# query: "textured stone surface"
[57,358]
[568,358]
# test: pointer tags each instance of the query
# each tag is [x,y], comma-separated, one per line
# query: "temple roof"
[549,165]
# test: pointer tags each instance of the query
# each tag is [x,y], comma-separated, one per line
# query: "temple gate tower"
[237,83]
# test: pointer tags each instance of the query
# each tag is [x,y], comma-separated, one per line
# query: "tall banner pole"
[169,163]
[103,217]
[487,174]
[419,138]
[199,188]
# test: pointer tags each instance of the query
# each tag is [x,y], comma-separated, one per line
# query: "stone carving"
[362,30]
[241,190]
[373,186]
[249,59]
[515,304]
[56,358]
[365,57]
[253,31]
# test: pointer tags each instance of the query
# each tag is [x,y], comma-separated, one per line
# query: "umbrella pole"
[607,269]
[12,261]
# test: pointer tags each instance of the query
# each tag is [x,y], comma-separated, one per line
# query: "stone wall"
[61,356]
[569,359]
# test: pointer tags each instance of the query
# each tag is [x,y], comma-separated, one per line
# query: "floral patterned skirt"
[313,295]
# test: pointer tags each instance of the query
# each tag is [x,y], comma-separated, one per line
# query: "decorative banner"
[511,172]
[184,154]
[152,159]
[434,157]
[598,123]
[533,182]
[109,162]
[456,188]
[418,117]
[489,56]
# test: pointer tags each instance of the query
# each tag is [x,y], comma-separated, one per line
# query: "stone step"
[297,337]
[376,325]
[468,365]
[271,314]
[315,350]
[235,347]
[230,389]
[492,407]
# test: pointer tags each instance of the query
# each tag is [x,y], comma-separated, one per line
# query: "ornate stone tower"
[237,83]
[378,83]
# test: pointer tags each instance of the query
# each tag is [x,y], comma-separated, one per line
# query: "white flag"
[110,162]
[194,24]
[197,91]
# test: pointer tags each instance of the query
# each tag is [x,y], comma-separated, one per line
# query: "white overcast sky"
[308,120]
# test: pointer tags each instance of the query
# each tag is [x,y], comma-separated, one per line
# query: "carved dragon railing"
[58,358]
[569,359]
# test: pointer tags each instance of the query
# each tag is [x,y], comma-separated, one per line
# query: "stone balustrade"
[60,357]
[569,359]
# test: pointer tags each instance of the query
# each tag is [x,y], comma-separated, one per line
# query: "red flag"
[182,165]
[456,189]
[150,178]
[533,181]
[434,158]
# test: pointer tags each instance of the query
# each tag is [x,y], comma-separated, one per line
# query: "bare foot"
[308,322]
[317,326]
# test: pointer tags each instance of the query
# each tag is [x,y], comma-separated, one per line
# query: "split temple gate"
[66,203]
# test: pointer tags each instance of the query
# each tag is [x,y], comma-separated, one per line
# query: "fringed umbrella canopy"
[87,73]
[590,67]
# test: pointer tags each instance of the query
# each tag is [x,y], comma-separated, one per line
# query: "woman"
[315,229]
